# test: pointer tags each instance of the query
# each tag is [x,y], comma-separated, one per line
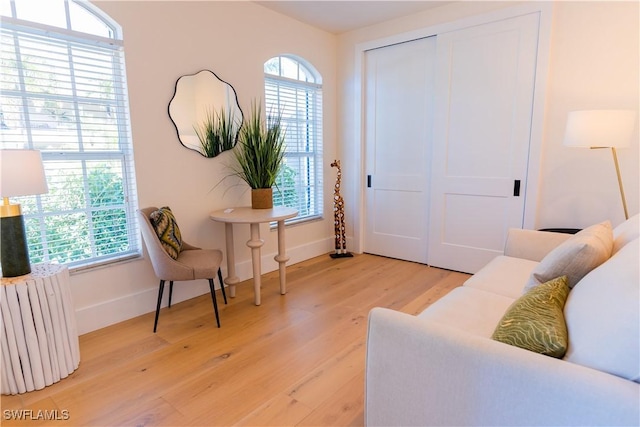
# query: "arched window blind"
[64,92]
[293,89]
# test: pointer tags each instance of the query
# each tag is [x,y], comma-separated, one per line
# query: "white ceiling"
[340,16]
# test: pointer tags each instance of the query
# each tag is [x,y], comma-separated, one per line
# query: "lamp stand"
[14,252]
[615,162]
[624,200]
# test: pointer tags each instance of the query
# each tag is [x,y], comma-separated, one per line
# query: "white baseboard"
[132,305]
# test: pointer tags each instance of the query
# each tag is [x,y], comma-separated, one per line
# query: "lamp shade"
[21,173]
[600,128]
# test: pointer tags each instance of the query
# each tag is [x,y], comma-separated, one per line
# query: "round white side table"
[39,333]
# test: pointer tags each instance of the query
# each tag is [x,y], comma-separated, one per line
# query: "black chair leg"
[222,285]
[215,303]
[170,291]
[160,291]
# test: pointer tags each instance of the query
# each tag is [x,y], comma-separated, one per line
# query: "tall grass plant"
[260,150]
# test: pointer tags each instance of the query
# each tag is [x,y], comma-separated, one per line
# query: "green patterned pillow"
[535,321]
[167,230]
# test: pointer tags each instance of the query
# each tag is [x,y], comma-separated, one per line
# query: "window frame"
[311,87]
[19,30]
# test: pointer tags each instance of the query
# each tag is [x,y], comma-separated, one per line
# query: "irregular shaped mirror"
[205,111]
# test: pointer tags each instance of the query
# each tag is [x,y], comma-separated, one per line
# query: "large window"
[63,92]
[293,89]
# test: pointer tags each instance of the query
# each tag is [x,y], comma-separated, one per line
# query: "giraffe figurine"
[338,217]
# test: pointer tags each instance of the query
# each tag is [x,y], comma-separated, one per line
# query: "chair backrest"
[165,267]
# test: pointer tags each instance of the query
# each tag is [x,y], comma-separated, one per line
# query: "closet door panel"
[398,135]
[484,91]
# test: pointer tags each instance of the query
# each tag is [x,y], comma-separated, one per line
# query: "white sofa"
[442,367]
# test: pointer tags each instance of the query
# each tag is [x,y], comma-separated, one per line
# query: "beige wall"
[164,40]
[593,63]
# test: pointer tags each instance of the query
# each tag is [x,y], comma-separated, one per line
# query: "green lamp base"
[13,248]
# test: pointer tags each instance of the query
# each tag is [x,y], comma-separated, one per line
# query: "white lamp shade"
[600,128]
[22,173]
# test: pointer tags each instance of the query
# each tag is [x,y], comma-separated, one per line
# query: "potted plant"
[259,155]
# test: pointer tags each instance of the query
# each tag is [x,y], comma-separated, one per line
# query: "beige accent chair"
[192,263]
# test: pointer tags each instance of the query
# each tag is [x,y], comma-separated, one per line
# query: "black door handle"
[516,188]
[368,181]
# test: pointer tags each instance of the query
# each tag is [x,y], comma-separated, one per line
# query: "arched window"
[293,88]
[64,93]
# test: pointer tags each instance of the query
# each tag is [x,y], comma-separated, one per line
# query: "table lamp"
[602,129]
[22,174]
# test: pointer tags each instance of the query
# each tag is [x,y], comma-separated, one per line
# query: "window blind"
[299,184]
[64,93]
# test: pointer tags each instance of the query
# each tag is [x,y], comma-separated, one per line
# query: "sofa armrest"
[531,244]
[425,373]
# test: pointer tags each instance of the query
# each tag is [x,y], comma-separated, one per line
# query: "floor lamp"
[21,174]
[602,129]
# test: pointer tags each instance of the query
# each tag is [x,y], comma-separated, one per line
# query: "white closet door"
[398,132]
[484,97]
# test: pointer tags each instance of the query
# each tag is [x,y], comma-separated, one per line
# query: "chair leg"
[160,291]
[222,285]
[215,303]
[170,291]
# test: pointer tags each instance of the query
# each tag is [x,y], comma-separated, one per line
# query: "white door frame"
[545,9]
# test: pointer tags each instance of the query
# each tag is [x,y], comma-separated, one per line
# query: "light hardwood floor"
[296,360]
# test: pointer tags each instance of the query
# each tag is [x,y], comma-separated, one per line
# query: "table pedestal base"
[39,336]
[255,244]
[254,217]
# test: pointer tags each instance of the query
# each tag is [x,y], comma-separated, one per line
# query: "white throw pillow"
[603,316]
[575,257]
[626,232]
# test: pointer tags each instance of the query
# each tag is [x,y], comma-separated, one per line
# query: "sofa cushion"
[603,319]
[535,321]
[166,227]
[626,232]
[472,310]
[504,275]
[575,257]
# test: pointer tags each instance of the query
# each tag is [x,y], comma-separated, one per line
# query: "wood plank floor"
[296,360]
